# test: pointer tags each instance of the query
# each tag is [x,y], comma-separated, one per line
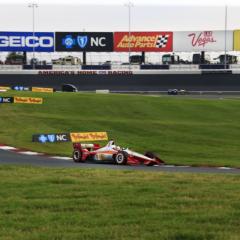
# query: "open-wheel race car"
[113,154]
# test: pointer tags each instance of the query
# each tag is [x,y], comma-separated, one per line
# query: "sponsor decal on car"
[28,100]
[88,136]
[143,41]
[45,90]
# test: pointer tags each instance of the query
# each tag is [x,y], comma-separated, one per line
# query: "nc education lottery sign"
[143,41]
[193,41]
[27,41]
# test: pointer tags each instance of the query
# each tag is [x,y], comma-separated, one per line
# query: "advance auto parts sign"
[143,41]
[202,41]
[84,41]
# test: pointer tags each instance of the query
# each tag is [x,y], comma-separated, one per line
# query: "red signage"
[143,41]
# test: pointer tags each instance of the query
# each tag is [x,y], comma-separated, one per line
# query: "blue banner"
[27,41]
[52,138]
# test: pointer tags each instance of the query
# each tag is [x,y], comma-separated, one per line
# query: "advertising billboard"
[84,41]
[6,99]
[143,41]
[88,136]
[28,100]
[236,41]
[195,41]
[52,137]
[67,137]
[45,90]
[27,41]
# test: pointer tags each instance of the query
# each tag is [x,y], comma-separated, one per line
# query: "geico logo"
[29,41]
[98,41]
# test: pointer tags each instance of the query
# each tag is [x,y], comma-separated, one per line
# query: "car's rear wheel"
[77,155]
[121,158]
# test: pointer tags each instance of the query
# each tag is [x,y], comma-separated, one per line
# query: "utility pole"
[33,6]
[129,5]
[225,44]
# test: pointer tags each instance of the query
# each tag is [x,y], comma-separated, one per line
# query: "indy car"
[112,154]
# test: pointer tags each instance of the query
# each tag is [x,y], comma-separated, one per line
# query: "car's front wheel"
[153,156]
[121,158]
[77,155]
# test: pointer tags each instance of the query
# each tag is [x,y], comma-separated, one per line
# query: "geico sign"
[26,41]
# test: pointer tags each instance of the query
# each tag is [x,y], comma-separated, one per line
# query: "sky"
[106,15]
[142,2]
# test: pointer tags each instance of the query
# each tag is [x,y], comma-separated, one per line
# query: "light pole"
[33,6]
[225,40]
[129,5]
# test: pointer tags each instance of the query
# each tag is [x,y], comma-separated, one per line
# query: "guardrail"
[10,67]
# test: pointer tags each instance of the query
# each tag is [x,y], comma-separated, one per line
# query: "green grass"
[181,130]
[41,203]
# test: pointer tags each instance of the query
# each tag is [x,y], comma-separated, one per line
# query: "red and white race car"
[114,154]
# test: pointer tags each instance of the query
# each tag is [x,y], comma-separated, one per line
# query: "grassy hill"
[180,130]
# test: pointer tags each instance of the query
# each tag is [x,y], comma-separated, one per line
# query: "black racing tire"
[121,158]
[77,155]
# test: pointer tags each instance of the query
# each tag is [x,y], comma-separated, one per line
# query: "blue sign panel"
[52,138]
[27,41]
[84,41]
[6,99]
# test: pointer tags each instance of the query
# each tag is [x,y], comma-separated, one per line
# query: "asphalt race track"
[137,82]
[13,158]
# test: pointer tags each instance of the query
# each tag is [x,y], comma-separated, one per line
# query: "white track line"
[30,153]
[225,168]
[168,166]
[7,148]
[62,158]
